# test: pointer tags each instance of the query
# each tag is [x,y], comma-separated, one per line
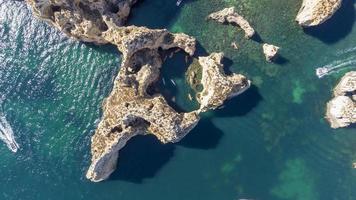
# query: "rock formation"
[84,20]
[229,15]
[315,12]
[341,110]
[217,87]
[133,107]
[270,51]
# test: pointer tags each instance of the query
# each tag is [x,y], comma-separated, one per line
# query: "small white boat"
[172,81]
[179,2]
[321,71]
[7,135]
[164,81]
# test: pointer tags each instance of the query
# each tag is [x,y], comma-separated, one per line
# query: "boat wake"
[335,67]
[7,135]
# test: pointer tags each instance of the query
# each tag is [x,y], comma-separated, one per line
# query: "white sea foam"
[7,134]
[345,51]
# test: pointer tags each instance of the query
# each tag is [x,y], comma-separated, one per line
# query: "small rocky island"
[229,15]
[270,51]
[316,12]
[133,108]
[341,110]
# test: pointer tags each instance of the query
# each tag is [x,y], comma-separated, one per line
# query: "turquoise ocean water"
[271,143]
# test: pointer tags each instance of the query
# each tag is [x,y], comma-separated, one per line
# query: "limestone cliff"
[217,87]
[341,110]
[315,12]
[229,15]
[132,107]
[84,20]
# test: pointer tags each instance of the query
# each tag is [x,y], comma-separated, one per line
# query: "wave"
[7,135]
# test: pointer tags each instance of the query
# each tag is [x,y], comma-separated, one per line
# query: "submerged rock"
[132,107]
[231,16]
[341,110]
[315,12]
[270,51]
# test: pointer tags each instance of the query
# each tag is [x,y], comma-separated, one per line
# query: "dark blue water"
[270,143]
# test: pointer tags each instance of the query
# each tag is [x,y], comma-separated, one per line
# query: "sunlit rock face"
[84,20]
[270,51]
[229,15]
[341,110]
[217,86]
[132,108]
[315,12]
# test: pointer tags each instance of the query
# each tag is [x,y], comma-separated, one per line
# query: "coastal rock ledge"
[341,110]
[134,107]
[315,12]
[229,15]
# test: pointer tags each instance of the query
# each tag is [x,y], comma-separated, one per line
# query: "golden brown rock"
[217,87]
[341,110]
[84,20]
[315,12]
[270,51]
[132,108]
[231,16]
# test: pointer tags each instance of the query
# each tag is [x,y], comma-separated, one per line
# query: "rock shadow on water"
[280,60]
[106,48]
[338,26]
[204,136]
[257,38]
[155,13]
[200,50]
[142,158]
[242,104]
[227,62]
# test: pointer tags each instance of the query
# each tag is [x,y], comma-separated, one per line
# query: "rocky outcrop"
[315,12]
[218,87]
[134,107]
[229,15]
[270,51]
[84,20]
[341,110]
[131,109]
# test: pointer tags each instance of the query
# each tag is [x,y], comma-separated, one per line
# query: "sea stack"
[341,110]
[316,12]
[229,15]
[133,106]
[217,86]
[270,51]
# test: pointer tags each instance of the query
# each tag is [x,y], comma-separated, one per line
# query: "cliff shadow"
[280,60]
[240,105]
[257,38]
[142,158]
[200,50]
[154,13]
[204,136]
[105,48]
[227,62]
[337,27]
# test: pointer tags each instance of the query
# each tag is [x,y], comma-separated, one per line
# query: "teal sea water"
[270,143]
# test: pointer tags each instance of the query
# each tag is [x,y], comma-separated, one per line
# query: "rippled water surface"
[271,143]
